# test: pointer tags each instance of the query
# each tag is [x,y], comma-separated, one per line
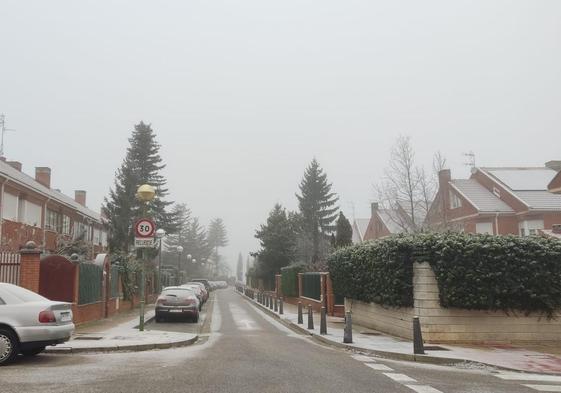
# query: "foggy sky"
[243,94]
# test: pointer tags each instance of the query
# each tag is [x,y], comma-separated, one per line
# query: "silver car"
[29,322]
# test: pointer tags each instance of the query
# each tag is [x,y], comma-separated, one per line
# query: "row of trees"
[143,165]
[306,236]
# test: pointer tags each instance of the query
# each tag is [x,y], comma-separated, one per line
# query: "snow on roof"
[523,179]
[482,199]
[540,200]
[13,174]
[362,225]
[391,219]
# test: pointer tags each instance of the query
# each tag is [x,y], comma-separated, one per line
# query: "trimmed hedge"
[478,272]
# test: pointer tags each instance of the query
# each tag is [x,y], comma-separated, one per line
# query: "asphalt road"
[242,351]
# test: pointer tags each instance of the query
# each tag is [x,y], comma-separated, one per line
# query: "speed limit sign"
[145,228]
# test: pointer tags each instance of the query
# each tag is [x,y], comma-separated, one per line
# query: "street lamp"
[145,193]
[160,233]
[179,251]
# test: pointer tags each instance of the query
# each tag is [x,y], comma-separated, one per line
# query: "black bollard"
[323,321]
[310,317]
[300,316]
[271,302]
[281,310]
[418,346]
[276,305]
[348,334]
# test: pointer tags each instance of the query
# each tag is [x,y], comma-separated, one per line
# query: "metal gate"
[9,267]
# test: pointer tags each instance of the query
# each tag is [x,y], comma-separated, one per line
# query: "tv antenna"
[470,156]
[3,131]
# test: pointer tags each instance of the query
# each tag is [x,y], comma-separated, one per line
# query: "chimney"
[444,176]
[556,228]
[15,164]
[80,197]
[554,164]
[43,175]
[374,208]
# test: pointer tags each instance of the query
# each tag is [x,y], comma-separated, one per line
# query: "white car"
[29,322]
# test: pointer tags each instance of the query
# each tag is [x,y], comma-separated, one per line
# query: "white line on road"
[423,389]
[378,367]
[399,377]
[363,358]
[545,388]
[528,377]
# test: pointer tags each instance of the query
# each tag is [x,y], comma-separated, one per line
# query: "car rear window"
[178,292]
[22,294]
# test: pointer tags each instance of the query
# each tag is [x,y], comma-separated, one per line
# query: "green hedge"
[289,280]
[480,272]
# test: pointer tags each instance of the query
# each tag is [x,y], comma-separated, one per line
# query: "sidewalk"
[121,334]
[380,344]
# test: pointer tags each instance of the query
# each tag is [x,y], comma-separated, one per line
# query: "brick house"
[31,210]
[386,222]
[497,201]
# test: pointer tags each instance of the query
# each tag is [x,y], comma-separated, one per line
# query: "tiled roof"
[523,179]
[480,197]
[540,200]
[19,177]
[362,225]
[391,219]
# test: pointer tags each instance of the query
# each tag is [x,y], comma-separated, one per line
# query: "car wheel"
[32,351]
[196,318]
[158,318]
[9,346]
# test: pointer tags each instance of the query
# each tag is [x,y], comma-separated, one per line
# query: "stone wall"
[450,325]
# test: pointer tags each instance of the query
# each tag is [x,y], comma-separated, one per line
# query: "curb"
[382,354]
[123,348]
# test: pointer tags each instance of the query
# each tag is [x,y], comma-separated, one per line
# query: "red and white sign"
[144,228]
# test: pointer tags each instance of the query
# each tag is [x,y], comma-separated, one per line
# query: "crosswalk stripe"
[378,367]
[423,389]
[529,377]
[399,377]
[545,388]
[363,358]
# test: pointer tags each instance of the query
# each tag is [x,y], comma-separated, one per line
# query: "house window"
[54,221]
[455,201]
[530,227]
[65,225]
[484,228]
[10,207]
[29,213]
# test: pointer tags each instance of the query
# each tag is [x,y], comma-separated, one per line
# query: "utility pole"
[3,130]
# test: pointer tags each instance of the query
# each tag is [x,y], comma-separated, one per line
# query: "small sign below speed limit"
[144,228]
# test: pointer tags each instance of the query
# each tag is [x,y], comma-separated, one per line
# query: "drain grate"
[88,338]
[371,333]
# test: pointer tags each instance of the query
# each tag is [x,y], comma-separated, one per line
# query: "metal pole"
[177,280]
[142,278]
[160,266]
[276,305]
[270,302]
[418,346]
[300,316]
[323,321]
[281,310]
[348,333]
[310,317]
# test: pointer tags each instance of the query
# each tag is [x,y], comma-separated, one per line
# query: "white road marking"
[363,358]
[399,377]
[545,388]
[242,319]
[528,377]
[423,389]
[378,367]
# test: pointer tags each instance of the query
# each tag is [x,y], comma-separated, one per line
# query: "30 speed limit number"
[145,228]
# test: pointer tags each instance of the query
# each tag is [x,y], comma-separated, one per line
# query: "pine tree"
[217,235]
[239,268]
[142,164]
[278,240]
[183,219]
[344,232]
[196,242]
[317,208]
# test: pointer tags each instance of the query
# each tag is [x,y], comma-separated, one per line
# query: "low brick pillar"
[330,295]
[300,284]
[278,284]
[30,267]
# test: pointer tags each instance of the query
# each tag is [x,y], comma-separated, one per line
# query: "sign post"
[144,231]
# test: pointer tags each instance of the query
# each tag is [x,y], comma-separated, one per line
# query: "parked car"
[177,301]
[203,288]
[198,291]
[29,322]
[205,282]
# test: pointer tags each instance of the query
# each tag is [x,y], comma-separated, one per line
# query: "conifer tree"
[217,235]
[344,232]
[239,268]
[318,208]
[142,165]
